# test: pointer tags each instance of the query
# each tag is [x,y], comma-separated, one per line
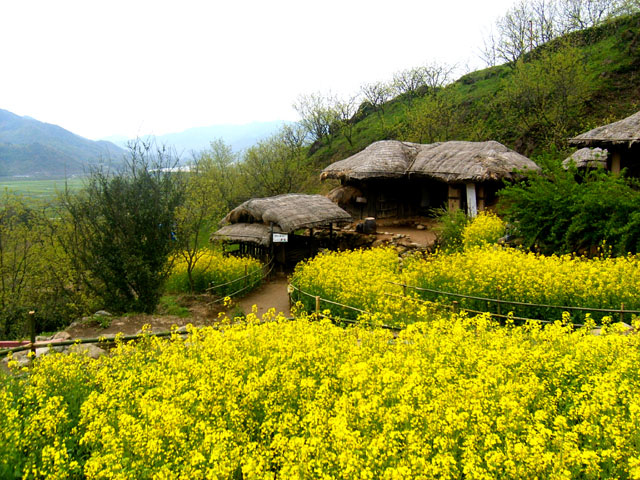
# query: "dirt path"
[272,294]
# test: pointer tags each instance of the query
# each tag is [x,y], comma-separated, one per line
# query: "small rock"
[42,338]
[379,243]
[61,336]
[88,349]
[420,227]
[102,313]
[20,357]
[182,329]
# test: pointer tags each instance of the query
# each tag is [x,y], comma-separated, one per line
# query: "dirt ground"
[272,294]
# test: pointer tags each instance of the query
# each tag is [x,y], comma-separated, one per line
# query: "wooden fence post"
[622,312]
[246,270]
[317,305]
[32,330]
[454,306]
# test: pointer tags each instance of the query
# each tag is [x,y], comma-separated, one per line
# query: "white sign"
[280,238]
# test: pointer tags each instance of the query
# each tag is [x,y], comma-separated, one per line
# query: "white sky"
[134,67]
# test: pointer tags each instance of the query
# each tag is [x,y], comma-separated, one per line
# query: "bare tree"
[316,115]
[580,14]
[344,111]
[377,94]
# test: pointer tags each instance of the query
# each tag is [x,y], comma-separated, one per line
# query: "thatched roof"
[383,159]
[289,212]
[258,233]
[450,162]
[458,161]
[623,131]
[587,158]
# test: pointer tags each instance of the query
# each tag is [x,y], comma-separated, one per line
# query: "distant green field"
[40,189]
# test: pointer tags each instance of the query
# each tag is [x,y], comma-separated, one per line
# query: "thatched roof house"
[253,224]
[587,158]
[404,179]
[621,139]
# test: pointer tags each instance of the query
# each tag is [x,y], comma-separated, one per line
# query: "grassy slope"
[612,52]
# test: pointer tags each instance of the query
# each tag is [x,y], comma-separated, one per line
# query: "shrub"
[214,269]
[451,224]
[485,229]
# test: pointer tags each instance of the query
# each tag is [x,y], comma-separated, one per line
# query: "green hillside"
[572,84]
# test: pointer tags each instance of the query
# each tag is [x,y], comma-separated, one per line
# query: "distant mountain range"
[32,148]
[239,137]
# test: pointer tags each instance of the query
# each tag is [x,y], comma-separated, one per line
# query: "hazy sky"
[101,68]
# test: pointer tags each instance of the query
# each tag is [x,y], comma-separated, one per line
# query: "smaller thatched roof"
[383,159]
[458,161]
[257,233]
[290,212]
[623,131]
[587,158]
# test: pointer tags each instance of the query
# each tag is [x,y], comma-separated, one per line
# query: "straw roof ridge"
[289,212]
[382,159]
[623,131]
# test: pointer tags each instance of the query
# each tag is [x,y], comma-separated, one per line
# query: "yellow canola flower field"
[213,269]
[367,279]
[457,397]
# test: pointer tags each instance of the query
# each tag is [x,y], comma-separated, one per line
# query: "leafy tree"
[211,190]
[546,96]
[35,275]
[276,165]
[123,227]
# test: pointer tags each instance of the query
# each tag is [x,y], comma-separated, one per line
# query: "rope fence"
[498,301]
[264,272]
[454,307]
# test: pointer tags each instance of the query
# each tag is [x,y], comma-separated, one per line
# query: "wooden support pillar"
[472,207]
[454,198]
[481,197]
[616,162]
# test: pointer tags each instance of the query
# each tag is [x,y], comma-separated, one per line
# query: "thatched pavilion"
[621,139]
[270,226]
[390,178]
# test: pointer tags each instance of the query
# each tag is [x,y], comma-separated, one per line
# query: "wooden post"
[498,303]
[454,306]
[481,199]
[454,198]
[32,330]
[472,208]
[622,312]
[246,271]
[616,162]
[317,305]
